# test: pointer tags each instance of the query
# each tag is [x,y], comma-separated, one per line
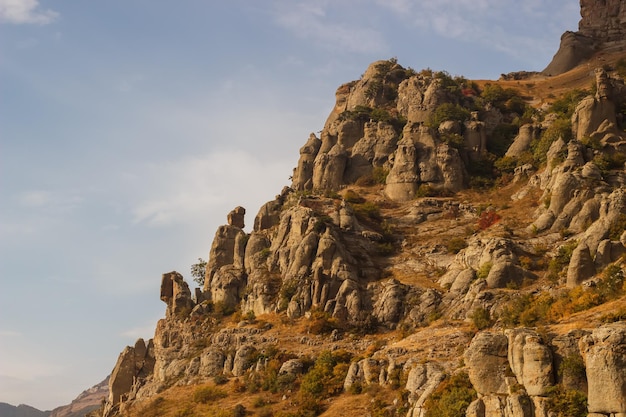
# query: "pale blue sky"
[130,128]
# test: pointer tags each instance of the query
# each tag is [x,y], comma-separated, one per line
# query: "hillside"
[22,410]
[447,247]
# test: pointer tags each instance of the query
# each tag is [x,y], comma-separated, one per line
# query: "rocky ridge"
[439,238]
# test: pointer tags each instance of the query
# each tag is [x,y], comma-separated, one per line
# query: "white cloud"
[191,187]
[25,11]
[312,20]
[58,201]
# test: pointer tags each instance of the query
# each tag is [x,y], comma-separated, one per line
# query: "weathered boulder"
[527,133]
[133,363]
[422,380]
[581,266]
[389,307]
[212,362]
[403,179]
[604,352]
[228,248]
[243,360]
[302,178]
[329,167]
[291,367]
[176,294]
[236,217]
[486,361]
[372,150]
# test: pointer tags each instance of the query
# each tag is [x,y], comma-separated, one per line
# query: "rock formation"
[601,28]
[385,267]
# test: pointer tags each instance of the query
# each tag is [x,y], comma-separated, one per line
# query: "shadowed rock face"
[602,28]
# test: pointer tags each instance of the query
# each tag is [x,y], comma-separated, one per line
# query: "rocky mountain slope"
[447,247]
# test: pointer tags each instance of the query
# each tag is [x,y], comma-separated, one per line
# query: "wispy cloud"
[491,23]
[193,186]
[25,11]
[314,21]
[57,201]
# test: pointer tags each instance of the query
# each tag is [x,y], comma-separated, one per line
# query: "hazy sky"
[130,128]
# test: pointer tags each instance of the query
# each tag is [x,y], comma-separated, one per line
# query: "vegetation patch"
[451,398]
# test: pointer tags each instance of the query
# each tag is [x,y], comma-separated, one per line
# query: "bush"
[455,244]
[326,376]
[220,379]
[448,111]
[558,264]
[451,398]
[481,318]
[560,128]
[573,368]
[566,403]
[321,322]
[566,105]
[207,394]
[487,219]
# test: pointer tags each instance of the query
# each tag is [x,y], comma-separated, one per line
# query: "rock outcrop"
[601,28]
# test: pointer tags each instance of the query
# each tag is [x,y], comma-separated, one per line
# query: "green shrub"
[448,111]
[566,403]
[455,244]
[572,368]
[560,128]
[481,318]
[483,270]
[566,105]
[326,376]
[367,211]
[560,261]
[220,379]
[451,398]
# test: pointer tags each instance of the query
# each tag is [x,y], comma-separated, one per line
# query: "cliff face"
[602,28]
[443,243]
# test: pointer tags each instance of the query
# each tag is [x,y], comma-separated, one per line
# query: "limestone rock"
[527,133]
[133,363]
[486,361]
[389,308]
[212,362]
[176,294]
[228,248]
[291,367]
[604,352]
[236,217]
[329,167]
[581,266]
[403,180]
[243,360]
[422,380]
[303,174]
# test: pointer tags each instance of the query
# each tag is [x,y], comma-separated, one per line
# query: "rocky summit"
[447,247]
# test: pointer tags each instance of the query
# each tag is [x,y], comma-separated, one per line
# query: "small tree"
[198,271]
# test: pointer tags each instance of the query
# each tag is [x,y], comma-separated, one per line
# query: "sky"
[130,128]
